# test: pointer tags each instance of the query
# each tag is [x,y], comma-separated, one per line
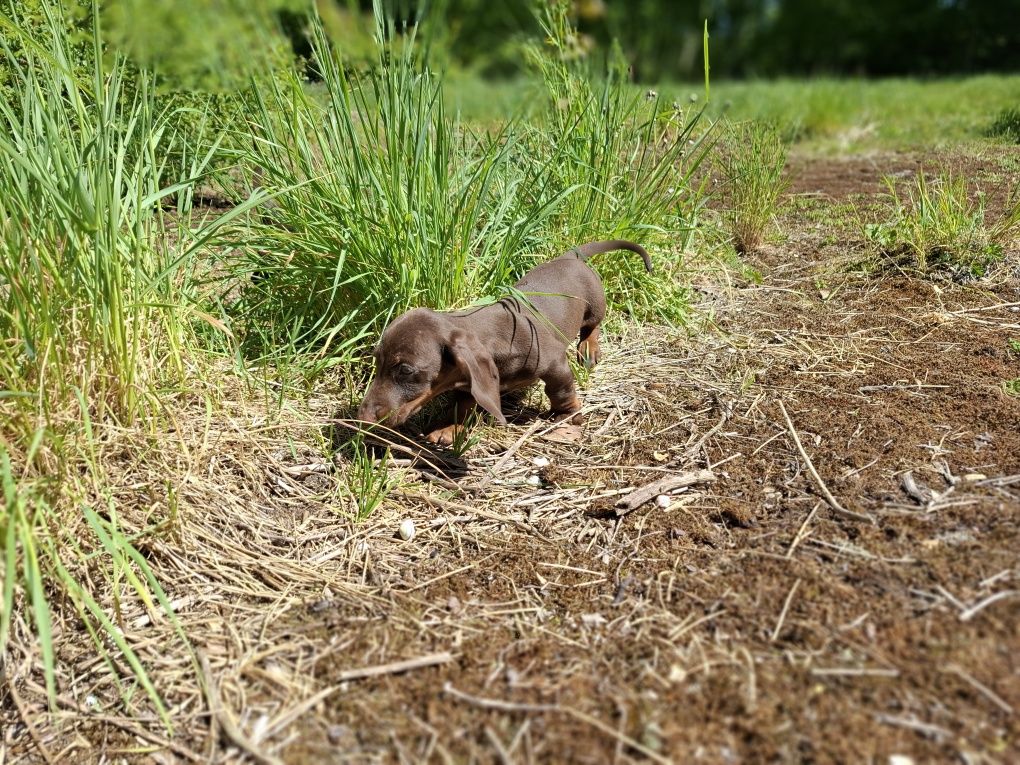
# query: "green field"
[820,116]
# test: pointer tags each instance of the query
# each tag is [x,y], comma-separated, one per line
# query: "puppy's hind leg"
[589,353]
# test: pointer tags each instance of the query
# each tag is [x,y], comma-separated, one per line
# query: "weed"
[369,480]
[1012,387]
[1014,345]
[940,225]
[466,437]
[751,162]
[1006,125]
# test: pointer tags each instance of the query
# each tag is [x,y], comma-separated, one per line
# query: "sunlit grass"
[940,222]
[383,200]
[97,319]
[751,162]
[824,115]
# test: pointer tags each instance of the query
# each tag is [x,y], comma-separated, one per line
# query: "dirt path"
[746,622]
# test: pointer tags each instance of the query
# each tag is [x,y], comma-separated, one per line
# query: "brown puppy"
[482,352]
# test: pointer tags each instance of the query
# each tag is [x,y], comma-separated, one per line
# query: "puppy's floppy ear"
[476,364]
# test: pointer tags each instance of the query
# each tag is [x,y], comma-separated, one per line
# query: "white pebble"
[534,480]
[541,461]
[900,759]
[407,530]
[663,501]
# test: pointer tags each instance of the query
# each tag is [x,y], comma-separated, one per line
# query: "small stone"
[651,737]
[972,477]
[406,529]
[900,759]
[338,734]
[663,501]
[541,462]
[533,480]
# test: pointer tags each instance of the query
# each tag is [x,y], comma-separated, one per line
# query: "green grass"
[822,115]
[751,161]
[940,224]
[383,200]
[98,321]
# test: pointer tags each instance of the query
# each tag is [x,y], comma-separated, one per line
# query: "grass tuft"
[941,225]
[751,163]
[1006,125]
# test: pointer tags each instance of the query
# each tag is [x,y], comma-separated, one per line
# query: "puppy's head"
[421,355]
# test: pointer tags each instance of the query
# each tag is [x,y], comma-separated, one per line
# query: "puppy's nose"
[367,412]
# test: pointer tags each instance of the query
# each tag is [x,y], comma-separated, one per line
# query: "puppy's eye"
[403,370]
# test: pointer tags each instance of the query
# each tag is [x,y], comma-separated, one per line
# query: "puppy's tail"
[585,251]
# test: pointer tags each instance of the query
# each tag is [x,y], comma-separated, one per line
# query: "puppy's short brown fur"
[480,353]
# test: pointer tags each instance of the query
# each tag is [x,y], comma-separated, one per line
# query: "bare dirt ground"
[748,621]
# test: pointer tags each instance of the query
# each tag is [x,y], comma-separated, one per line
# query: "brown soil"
[748,621]
[750,624]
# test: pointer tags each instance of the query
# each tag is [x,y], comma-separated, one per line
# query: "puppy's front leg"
[562,393]
[445,435]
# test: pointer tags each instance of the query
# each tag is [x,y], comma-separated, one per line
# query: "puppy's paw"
[445,436]
[568,418]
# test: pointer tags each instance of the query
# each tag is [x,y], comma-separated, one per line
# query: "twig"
[984,308]
[651,490]
[987,692]
[801,532]
[971,612]
[354,674]
[223,717]
[690,452]
[396,667]
[912,490]
[833,503]
[854,672]
[782,614]
[926,729]
[509,706]
[505,458]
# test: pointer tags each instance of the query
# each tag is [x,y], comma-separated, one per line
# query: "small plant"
[1006,125]
[1014,345]
[463,440]
[1012,387]
[751,162]
[370,480]
[941,225]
